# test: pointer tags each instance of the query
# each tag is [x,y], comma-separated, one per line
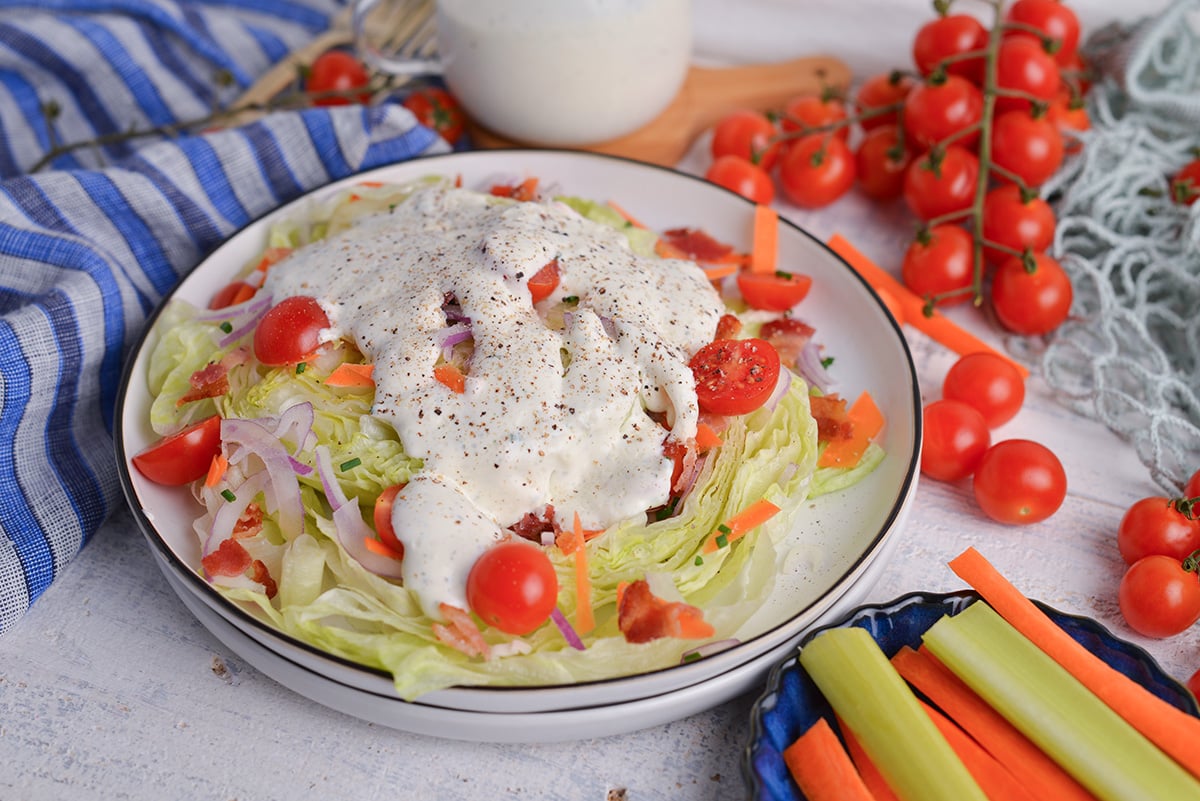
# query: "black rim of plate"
[232,609]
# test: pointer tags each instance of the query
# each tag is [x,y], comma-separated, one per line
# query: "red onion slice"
[811,370]
[243,438]
[568,631]
[348,523]
[229,512]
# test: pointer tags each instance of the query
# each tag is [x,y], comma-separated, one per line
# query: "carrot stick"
[872,778]
[375,546]
[868,422]
[706,437]
[822,769]
[715,272]
[1037,771]
[216,470]
[629,218]
[1174,731]
[584,620]
[737,526]
[450,376]
[996,781]
[936,326]
[348,374]
[764,253]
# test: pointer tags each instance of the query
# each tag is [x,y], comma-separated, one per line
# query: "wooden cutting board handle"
[707,94]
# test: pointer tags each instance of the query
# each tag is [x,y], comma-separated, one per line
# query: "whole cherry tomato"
[1031,148]
[513,587]
[816,170]
[1053,18]
[940,264]
[937,110]
[989,382]
[936,185]
[806,113]
[336,71]
[1019,481]
[880,162]
[436,108]
[953,441]
[743,177]
[951,36]
[1031,302]
[747,134]
[1016,220]
[1024,66]
[879,92]
[1159,596]
[1155,525]
[1185,186]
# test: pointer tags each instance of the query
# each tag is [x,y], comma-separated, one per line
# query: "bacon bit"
[216,470]
[532,526]
[866,421]
[249,524]
[211,381]
[259,573]
[684,456]
[697,245]
[526,190]
[643,617]
[833,420]
[707,437]
[460,632]
[230,559]
[728,327]
[788,336]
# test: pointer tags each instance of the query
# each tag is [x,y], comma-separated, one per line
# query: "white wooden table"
[110,689]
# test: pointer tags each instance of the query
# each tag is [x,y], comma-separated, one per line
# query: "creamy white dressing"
[527,432]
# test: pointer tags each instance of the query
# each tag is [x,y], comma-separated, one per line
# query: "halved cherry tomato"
[735,376]
[231,294]
[182,457]
[544,281]
[513,587]
[383,518]
[777,291]
[290,331]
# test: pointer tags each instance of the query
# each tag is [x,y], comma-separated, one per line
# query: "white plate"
[856,526]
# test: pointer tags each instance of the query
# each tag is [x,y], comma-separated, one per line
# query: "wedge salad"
[499,435]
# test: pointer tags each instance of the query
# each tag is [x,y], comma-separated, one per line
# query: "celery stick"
[1054,710]
[868,694]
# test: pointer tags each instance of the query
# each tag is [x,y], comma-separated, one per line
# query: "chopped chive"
[827,361]
[571,300]
[724,529]
[226,326]
[228,495]
[691,656]
[722,540]
[699,560]
[350,464]
[300,368]
[784,274]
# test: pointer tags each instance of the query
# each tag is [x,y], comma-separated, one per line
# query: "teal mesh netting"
[1130,353]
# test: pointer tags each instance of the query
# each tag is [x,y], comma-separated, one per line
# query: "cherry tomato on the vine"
[436,108]
[1053,18]
[735,376]
[778,291]
[988,382]
[816,170]
[879,92]
[1185,186]
[934,187]
[954,439]
[1024,66]
[182,457]
[1028,147]
[747,134]
[951,36]
[880,162]
[743,177]
[1159,596]
[1016,221]
[290,331]
[940,264]
[1155,525]
[1019,481]
[337,71]
[1192,488]
[513,587]
[937,110]
[808,112]
[1031,302]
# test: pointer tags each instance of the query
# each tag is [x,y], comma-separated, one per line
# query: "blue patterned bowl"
[791,702]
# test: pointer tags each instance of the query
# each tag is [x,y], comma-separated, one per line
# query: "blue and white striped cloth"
[89,245]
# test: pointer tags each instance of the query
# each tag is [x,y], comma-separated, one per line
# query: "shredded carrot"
[935,326]
[370,184]
[872,778]
[996,781]
[715,272]
[867,422]
[822,768]
[451,377]
[740,524]
[244,292]
[706,437]
[629,218]
[270,256]
[216,470]
[1174,731]
[1020,755]
[764,254]
[375,546]
[348,374]
[584,620]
